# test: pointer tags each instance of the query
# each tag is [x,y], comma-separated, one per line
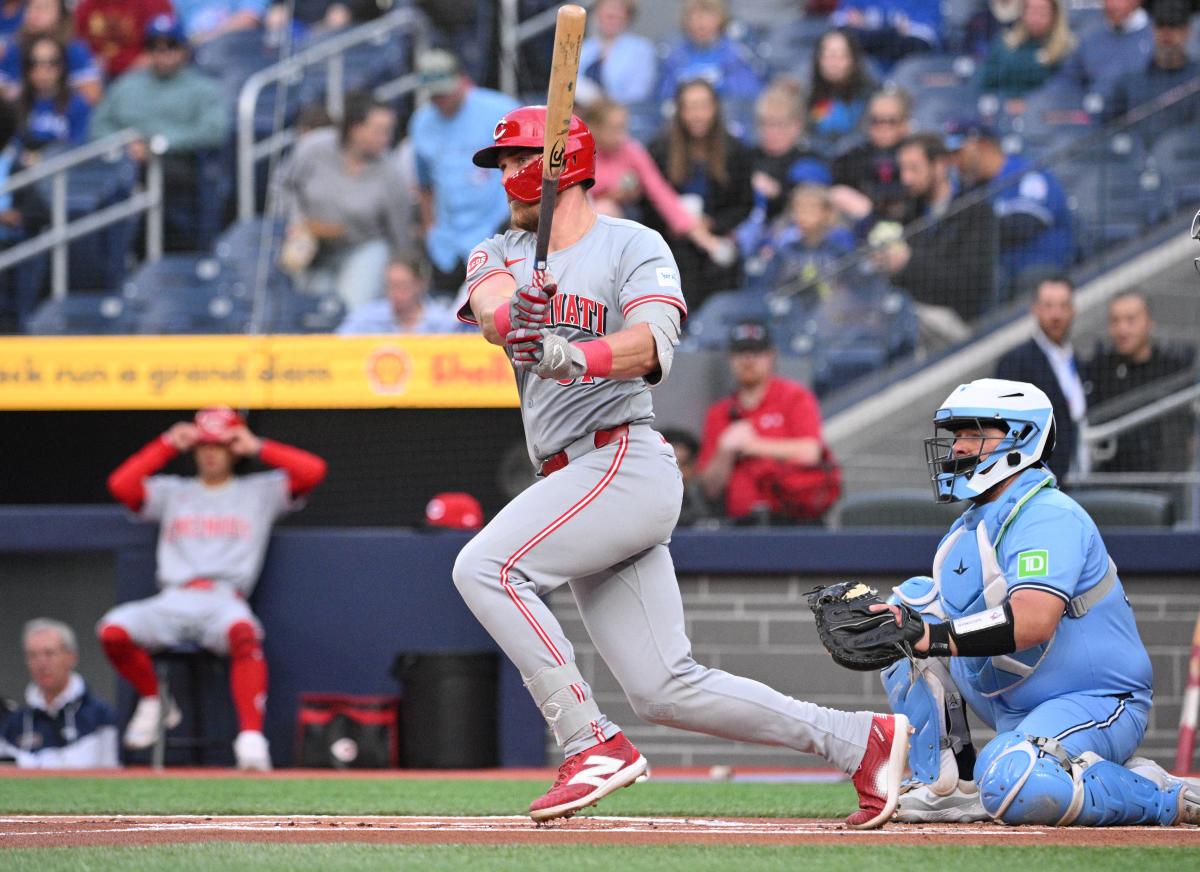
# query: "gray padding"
[564,713]
[663,321]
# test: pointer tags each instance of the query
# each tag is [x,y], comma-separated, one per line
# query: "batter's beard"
[524,216]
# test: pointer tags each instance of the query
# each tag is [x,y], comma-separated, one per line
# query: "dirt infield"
[30,831]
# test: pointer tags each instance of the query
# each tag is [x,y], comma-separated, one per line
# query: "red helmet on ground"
[525,128]
[214,424]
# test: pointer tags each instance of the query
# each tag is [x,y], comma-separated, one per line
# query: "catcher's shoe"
[589,776]
[920,805]
[882,769]
[142,731]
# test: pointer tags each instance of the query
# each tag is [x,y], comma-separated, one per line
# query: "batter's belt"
[582,446]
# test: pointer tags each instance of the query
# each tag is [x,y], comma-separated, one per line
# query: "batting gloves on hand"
[546,355]
[529,307]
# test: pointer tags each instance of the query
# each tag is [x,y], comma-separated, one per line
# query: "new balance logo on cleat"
[597,769]
[586,778]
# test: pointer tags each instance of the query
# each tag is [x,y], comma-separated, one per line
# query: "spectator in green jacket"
[1023,58]
[170,98]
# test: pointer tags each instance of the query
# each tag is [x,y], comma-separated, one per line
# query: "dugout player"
[1027,622]
[213,533]
[586,351]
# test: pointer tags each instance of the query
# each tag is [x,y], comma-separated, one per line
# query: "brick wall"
[761,628]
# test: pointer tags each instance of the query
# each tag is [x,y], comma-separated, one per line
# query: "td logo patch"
[1033,564]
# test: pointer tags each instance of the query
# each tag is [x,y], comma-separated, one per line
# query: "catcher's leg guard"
[926,693]
[1031,780]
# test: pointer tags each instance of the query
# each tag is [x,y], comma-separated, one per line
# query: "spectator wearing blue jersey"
[891,29]
[1024,620]
[703,51]
[204,20]
[621,64]
[1169,67]
[50,18]
[1032,216]
[50,112]
[1121,43]
[62,725]
[11,14]
[460,203]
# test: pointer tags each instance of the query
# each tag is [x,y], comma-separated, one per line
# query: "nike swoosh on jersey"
[508,263]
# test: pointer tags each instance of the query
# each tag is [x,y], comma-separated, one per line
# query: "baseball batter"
[213,534]
[587,345]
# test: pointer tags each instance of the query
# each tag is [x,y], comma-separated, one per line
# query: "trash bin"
[448,713]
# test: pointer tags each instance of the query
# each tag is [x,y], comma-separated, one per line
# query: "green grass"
[685,858]
[167,795]
[402,796]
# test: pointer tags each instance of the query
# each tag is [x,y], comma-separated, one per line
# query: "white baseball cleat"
[920,805]
[142,731]
[252,752]
[1189,795]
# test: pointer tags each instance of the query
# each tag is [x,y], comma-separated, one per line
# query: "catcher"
[1025,620]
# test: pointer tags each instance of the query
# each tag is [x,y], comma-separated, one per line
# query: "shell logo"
[388,369]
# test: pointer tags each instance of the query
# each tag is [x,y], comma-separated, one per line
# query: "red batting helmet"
[525,128]
[214,424]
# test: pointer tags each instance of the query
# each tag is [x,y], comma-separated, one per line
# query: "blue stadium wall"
[339,604]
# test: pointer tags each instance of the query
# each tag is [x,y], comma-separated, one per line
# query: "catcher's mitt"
[857,637]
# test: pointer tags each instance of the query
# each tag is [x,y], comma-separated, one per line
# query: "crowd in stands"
[870,177]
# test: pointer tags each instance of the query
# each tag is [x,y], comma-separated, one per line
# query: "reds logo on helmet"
[525,128]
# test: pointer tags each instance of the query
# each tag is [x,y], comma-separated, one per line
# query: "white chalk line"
[481,823]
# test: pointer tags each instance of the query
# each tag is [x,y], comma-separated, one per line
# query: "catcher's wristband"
[983,634]
[598,356]
[502,320]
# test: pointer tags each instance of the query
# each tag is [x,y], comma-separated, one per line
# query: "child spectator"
[809,244]
[703,51]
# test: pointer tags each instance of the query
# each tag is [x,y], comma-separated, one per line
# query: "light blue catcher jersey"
[1053,546]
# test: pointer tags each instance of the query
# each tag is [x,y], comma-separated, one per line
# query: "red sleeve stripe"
[465,318]
[655,298]
[487,275]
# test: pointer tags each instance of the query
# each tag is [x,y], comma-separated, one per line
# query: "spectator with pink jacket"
[626,175]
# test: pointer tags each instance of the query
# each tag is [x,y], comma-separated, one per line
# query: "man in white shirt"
[1048,361]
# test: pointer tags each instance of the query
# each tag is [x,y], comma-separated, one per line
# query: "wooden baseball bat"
[1186,748]
[560,104]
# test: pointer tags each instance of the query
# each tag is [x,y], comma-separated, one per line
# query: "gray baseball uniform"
[218,534]
[602,522]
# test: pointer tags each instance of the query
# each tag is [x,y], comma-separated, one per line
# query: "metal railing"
[331,53]
[62,231]
[513,32]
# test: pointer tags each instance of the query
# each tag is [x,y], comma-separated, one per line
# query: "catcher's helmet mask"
[1196,236]
[1028,437]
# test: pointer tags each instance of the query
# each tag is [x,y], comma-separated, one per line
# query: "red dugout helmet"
[525,128]
[214,424]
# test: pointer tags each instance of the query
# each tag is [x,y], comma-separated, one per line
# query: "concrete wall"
[762,628]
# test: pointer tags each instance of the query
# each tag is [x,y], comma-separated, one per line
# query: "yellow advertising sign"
[256,372]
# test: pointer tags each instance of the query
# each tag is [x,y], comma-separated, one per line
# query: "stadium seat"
[1112,204]
[1053,114]
[1113,507]
[707,329]
[932,111]
[1176,156]
[81,315]
[929,74]
[912,507]
[839,366]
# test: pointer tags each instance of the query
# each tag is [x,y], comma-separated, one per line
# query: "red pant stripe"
[622,448]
